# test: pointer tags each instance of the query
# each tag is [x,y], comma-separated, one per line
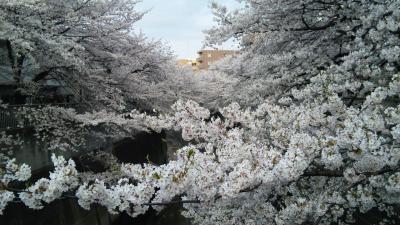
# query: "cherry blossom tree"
[286,43]
[87,45]
[316,140]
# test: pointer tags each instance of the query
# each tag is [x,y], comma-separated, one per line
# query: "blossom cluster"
[61,180]
[313,139]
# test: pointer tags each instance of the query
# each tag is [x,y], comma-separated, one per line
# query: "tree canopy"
[307,131]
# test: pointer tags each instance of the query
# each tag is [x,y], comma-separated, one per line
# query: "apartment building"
[208,57]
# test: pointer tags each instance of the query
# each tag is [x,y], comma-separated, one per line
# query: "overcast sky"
[179,23]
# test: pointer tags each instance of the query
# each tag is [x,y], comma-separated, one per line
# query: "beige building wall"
[184,62]
[188,62]
[208,57]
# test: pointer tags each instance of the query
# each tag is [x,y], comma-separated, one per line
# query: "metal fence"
[9,119]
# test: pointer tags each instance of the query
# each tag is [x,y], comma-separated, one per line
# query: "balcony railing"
[9,120]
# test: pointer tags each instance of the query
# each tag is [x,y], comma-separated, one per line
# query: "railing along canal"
[10,121]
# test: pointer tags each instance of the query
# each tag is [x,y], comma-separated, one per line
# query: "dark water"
[68,212]
[60,212]
[169,216]
[140,149]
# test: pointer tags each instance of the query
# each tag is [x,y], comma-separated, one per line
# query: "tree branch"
[339,173]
